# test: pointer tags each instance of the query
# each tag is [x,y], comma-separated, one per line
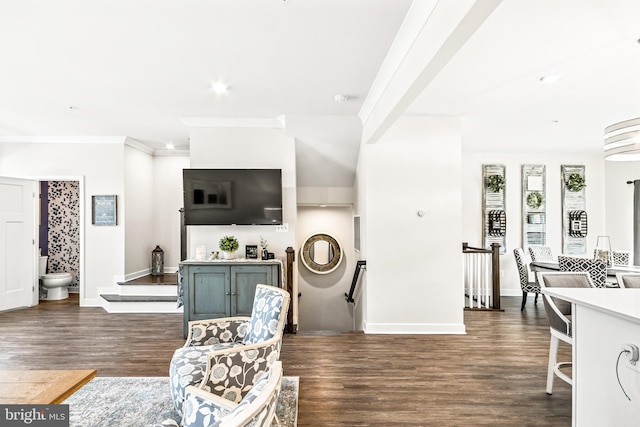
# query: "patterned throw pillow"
[267,307]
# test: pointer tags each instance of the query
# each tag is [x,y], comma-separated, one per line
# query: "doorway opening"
[61,231]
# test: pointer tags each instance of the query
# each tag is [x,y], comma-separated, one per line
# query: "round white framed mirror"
[321,253]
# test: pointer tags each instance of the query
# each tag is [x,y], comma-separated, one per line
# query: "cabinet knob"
[226,293]
[234,294]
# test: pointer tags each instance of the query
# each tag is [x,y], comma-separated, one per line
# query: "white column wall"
[167,201]
[472,203]
[138,212]
[414,275]
[248,148]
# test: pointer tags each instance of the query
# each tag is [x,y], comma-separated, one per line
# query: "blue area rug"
[142,401]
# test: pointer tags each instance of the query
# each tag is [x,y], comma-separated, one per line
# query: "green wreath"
[496,183]
[576,182]
[534,200]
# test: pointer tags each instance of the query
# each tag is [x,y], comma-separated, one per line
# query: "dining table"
[552,265]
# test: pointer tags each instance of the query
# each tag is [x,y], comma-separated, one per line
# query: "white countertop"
[623,303]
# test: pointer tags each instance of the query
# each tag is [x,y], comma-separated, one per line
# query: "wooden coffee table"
[40,386]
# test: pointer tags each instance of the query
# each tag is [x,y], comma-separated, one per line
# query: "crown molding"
[63,139]
[234,122]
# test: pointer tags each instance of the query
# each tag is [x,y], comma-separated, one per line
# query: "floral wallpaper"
[64,230]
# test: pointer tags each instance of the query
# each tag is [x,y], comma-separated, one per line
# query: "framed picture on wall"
[104,210]
[251,251]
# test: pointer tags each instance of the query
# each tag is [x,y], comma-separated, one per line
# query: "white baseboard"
[413,328]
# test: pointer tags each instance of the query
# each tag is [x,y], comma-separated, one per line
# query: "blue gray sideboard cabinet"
[214,289]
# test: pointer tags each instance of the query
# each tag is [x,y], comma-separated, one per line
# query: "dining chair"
[560,319]
[525,284]
[628,280]
[541,253]
[622,258]
[596,268]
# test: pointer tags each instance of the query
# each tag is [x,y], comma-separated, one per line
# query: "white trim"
[415,20]
[511,292]
[238,122]
[63,139]
[130,142]
[414,328]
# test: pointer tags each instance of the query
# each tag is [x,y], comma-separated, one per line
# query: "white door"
[18,261]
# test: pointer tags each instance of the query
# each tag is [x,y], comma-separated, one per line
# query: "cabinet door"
[208,292]
[244,279]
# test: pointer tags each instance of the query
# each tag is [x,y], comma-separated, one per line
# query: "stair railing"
[481,277]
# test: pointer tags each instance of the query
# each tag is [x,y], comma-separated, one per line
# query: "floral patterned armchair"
[256,409]
[227,356]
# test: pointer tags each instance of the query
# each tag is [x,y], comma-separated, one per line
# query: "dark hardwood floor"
[492,376]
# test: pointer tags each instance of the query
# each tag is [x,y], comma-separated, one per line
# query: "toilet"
[55,284]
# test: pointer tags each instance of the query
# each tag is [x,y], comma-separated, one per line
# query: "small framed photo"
[251,251]
[104,210]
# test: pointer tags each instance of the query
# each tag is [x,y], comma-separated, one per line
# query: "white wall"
[139,211]
[414,279]
[472,203]
[323,304]
[619,202]
[247,148]
[167,201]
[101,167]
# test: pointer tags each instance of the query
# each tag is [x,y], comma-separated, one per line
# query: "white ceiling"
[494,80]
[143,68]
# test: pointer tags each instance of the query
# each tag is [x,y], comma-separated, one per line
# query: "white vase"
[228,255]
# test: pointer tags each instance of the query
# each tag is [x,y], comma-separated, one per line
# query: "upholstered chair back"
[540,253]
[559,311]
[628,280]
[518,253]
[268,314]
[596,268]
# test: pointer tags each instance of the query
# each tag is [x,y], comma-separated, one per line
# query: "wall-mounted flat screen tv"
[232,196]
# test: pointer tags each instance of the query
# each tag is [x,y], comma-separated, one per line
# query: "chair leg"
[553,359]
[535,301]
[524,300]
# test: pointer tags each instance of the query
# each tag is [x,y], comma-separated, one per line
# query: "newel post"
[291,257]
[495,269]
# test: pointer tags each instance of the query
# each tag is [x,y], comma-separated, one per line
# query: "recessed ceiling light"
[169,146]
[219,87]
[551,78]
[340,98]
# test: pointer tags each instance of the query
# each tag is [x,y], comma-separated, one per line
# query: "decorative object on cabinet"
[493,200]
[104,210]
[223,289]
[229,245]
[321,253]
[251,251]
[263,244]
[574,217]
[534,225]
